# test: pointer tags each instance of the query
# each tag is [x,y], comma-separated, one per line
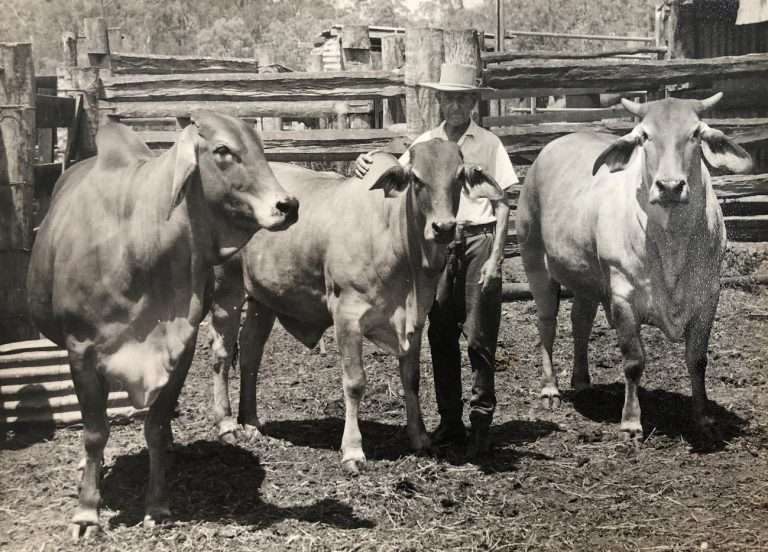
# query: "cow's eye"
[224,151]
[644,136]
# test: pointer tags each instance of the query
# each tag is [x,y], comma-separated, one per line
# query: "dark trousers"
[462,306]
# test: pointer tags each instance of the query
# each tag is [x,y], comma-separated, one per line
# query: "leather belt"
[478,229]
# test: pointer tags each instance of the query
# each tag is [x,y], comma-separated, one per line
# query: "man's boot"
[450,431]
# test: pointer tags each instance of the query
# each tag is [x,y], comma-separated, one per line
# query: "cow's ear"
[722,152]
[393,180]
[477,183]
[185,164]
[616,156]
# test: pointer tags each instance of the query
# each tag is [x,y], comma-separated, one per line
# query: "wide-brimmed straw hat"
[456,77]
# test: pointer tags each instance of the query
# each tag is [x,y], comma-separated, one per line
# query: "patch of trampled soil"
[558,480]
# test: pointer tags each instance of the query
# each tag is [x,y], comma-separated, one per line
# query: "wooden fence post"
[392,57]
[423,57]
[356,56]
[464,47]
[355,48]
[264,58]
[17,156]
[97,42]
[680,29]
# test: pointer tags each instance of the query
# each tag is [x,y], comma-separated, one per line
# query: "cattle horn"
[708,103]
[634,108]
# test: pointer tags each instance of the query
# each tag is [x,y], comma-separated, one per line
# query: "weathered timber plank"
[247,109]
[749,229]
[153,64]
[740,185]
[576,115]
[744,207]
[46,175]
[54,111]
[499,57]
[743,131]
[621,74]
[250,86]
[309,145]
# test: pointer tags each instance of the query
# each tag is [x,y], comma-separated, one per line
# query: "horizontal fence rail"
[621,74]
[499,57]
[540,34]
[246,110]
[249,86]
[148,64]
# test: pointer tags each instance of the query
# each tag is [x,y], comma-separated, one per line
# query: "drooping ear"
[617,155]
[722,152]
[185,164]
[477,183]
[393,180]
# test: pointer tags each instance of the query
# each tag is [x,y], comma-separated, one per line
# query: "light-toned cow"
[120,272]
[633,224]
[364,257]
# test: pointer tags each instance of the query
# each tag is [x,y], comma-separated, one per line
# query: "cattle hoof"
[85,523]
[632,433]
[353,466]
[249,433]
[158,518]
[707,434]
[550,402]
[78,531]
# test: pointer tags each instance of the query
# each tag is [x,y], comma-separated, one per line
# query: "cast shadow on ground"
[667,412]
[26,434]
[390,441]
[210,481]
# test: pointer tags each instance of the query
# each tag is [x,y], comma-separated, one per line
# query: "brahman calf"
[121,263]
[633,224]
[363,258]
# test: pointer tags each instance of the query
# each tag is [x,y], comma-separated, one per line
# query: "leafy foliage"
[289,28]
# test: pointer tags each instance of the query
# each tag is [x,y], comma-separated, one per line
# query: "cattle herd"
[136,250]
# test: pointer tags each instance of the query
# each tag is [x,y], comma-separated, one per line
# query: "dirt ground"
[557,480]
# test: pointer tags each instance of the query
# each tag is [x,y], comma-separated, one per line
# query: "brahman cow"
[633,224]
[120,272]
[363,258]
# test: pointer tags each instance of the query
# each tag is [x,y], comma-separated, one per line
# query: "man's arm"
[492,267]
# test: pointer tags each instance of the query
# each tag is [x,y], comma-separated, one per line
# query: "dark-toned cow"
[365,257]
[633,224]
[119,269]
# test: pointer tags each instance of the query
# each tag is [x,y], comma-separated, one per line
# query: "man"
[468,298]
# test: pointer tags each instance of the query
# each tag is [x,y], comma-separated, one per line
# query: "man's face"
[456,106]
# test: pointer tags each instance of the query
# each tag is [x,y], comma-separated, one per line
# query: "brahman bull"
[633,224]
[365,259]
[120,272]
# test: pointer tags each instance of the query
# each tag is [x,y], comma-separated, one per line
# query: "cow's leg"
[225,322]
[696,344]
[628,329]
[350,343]
[92,391]
[546,294]
[157,432]
[257,326]
[582,317]
[410,375]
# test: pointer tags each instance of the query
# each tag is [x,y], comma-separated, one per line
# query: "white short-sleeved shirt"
[479,147]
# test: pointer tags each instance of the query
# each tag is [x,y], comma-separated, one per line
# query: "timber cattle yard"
[568,469]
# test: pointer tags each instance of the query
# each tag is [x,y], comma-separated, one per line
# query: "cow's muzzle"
[289,208]
[670,191]
[443,231]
